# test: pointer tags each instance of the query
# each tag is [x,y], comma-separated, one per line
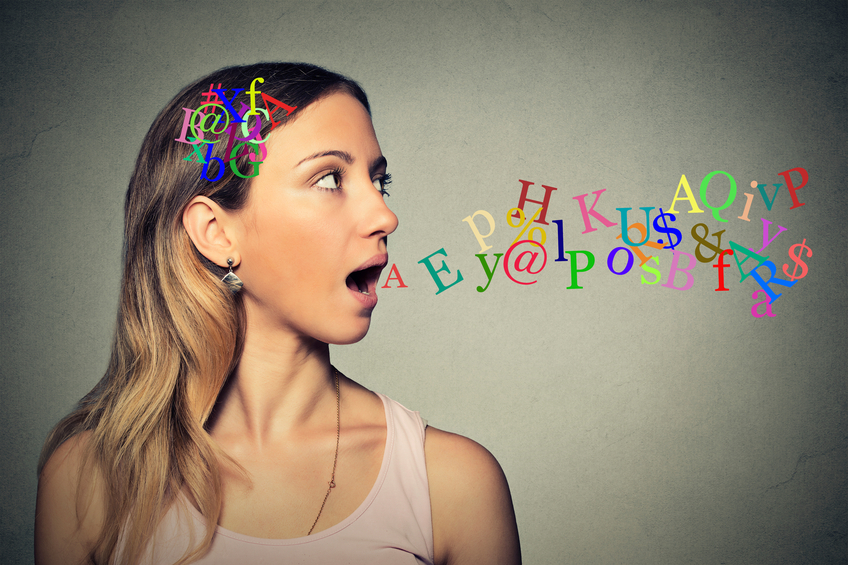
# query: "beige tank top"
[392,526]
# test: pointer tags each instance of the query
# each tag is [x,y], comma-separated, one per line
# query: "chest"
[391,525]
[285,491]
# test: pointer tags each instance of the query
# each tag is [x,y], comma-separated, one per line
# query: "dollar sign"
[798,261]
[672,232]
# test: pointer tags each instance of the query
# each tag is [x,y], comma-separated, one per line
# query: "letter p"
[477,234]
[792,188]
[590,262]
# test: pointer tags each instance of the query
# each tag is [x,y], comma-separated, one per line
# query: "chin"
[352,335]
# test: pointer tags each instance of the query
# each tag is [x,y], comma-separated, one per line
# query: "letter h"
[523,200]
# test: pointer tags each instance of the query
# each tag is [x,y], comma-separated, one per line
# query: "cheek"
[300,248]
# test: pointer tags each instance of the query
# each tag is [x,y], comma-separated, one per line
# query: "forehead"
[336,122]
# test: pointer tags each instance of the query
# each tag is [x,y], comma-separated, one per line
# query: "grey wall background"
[636,424]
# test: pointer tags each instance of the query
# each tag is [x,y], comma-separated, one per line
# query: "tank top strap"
[403,503]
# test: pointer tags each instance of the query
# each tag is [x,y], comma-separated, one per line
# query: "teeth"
[365,292]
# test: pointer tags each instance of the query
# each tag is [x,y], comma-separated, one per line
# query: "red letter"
[522,200]
[720,265]
[792,188]
[278,105]
[394,275]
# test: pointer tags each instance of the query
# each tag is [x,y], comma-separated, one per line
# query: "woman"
[255,232]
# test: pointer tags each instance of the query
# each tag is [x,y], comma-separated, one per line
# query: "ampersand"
[716,249]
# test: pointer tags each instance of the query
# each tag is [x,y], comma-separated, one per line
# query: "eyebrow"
[346,157]
[343,155]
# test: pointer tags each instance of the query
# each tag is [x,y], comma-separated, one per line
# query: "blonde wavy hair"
[179,328]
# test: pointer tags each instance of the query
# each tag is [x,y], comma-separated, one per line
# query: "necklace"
[332,483]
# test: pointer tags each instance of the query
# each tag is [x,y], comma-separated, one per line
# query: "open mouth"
[364,281]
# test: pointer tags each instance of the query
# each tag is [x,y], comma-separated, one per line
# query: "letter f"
[253,92]
[721,265]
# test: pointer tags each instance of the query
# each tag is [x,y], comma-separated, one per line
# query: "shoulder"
[70,505]
[473,517]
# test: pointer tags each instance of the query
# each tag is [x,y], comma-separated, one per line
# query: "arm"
[66,525]
[473,518]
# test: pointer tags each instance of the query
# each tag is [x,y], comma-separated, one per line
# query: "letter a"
[394,275]
[689,196]
[754,311]
[277,105]
[739,251]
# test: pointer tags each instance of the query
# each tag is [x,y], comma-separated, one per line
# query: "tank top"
[392,526]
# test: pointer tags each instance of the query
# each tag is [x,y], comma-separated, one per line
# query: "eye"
[382,182]
[331,181]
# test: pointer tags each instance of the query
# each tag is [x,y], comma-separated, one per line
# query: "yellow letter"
[689,196]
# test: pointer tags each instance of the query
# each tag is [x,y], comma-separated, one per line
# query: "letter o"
[611,261]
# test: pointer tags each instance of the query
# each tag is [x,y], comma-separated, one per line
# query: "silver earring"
[231,279]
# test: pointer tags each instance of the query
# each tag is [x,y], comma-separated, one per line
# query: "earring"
[231,279]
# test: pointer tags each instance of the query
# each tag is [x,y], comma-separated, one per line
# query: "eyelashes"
[382,182]
[332,181]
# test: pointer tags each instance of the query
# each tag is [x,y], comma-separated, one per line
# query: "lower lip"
[367,300]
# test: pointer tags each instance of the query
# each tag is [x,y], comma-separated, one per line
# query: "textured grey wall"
[636,423]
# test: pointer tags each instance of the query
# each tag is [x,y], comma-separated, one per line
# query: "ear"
[207,225]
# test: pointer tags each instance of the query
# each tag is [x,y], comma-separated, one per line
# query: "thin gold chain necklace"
[332,483]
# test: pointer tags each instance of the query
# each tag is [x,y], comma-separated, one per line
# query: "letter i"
[744,215]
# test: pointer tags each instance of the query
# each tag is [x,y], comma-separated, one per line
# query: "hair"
[179,329]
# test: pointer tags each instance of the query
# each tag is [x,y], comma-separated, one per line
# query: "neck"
[282,383]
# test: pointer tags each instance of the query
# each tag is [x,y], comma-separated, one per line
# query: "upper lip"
[380,260]
[364,278]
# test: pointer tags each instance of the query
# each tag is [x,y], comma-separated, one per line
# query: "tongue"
[351,284]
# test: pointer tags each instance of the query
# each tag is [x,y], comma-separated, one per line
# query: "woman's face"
[312,237]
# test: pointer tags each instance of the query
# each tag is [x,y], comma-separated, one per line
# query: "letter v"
[766,240]
[762,189]
[766,243]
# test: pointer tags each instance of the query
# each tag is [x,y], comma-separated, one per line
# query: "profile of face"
[311,239]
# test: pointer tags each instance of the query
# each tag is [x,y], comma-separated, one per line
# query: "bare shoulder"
[70,505]
[459,458]
[473,517]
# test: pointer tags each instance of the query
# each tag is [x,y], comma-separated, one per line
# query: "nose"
[379,220]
